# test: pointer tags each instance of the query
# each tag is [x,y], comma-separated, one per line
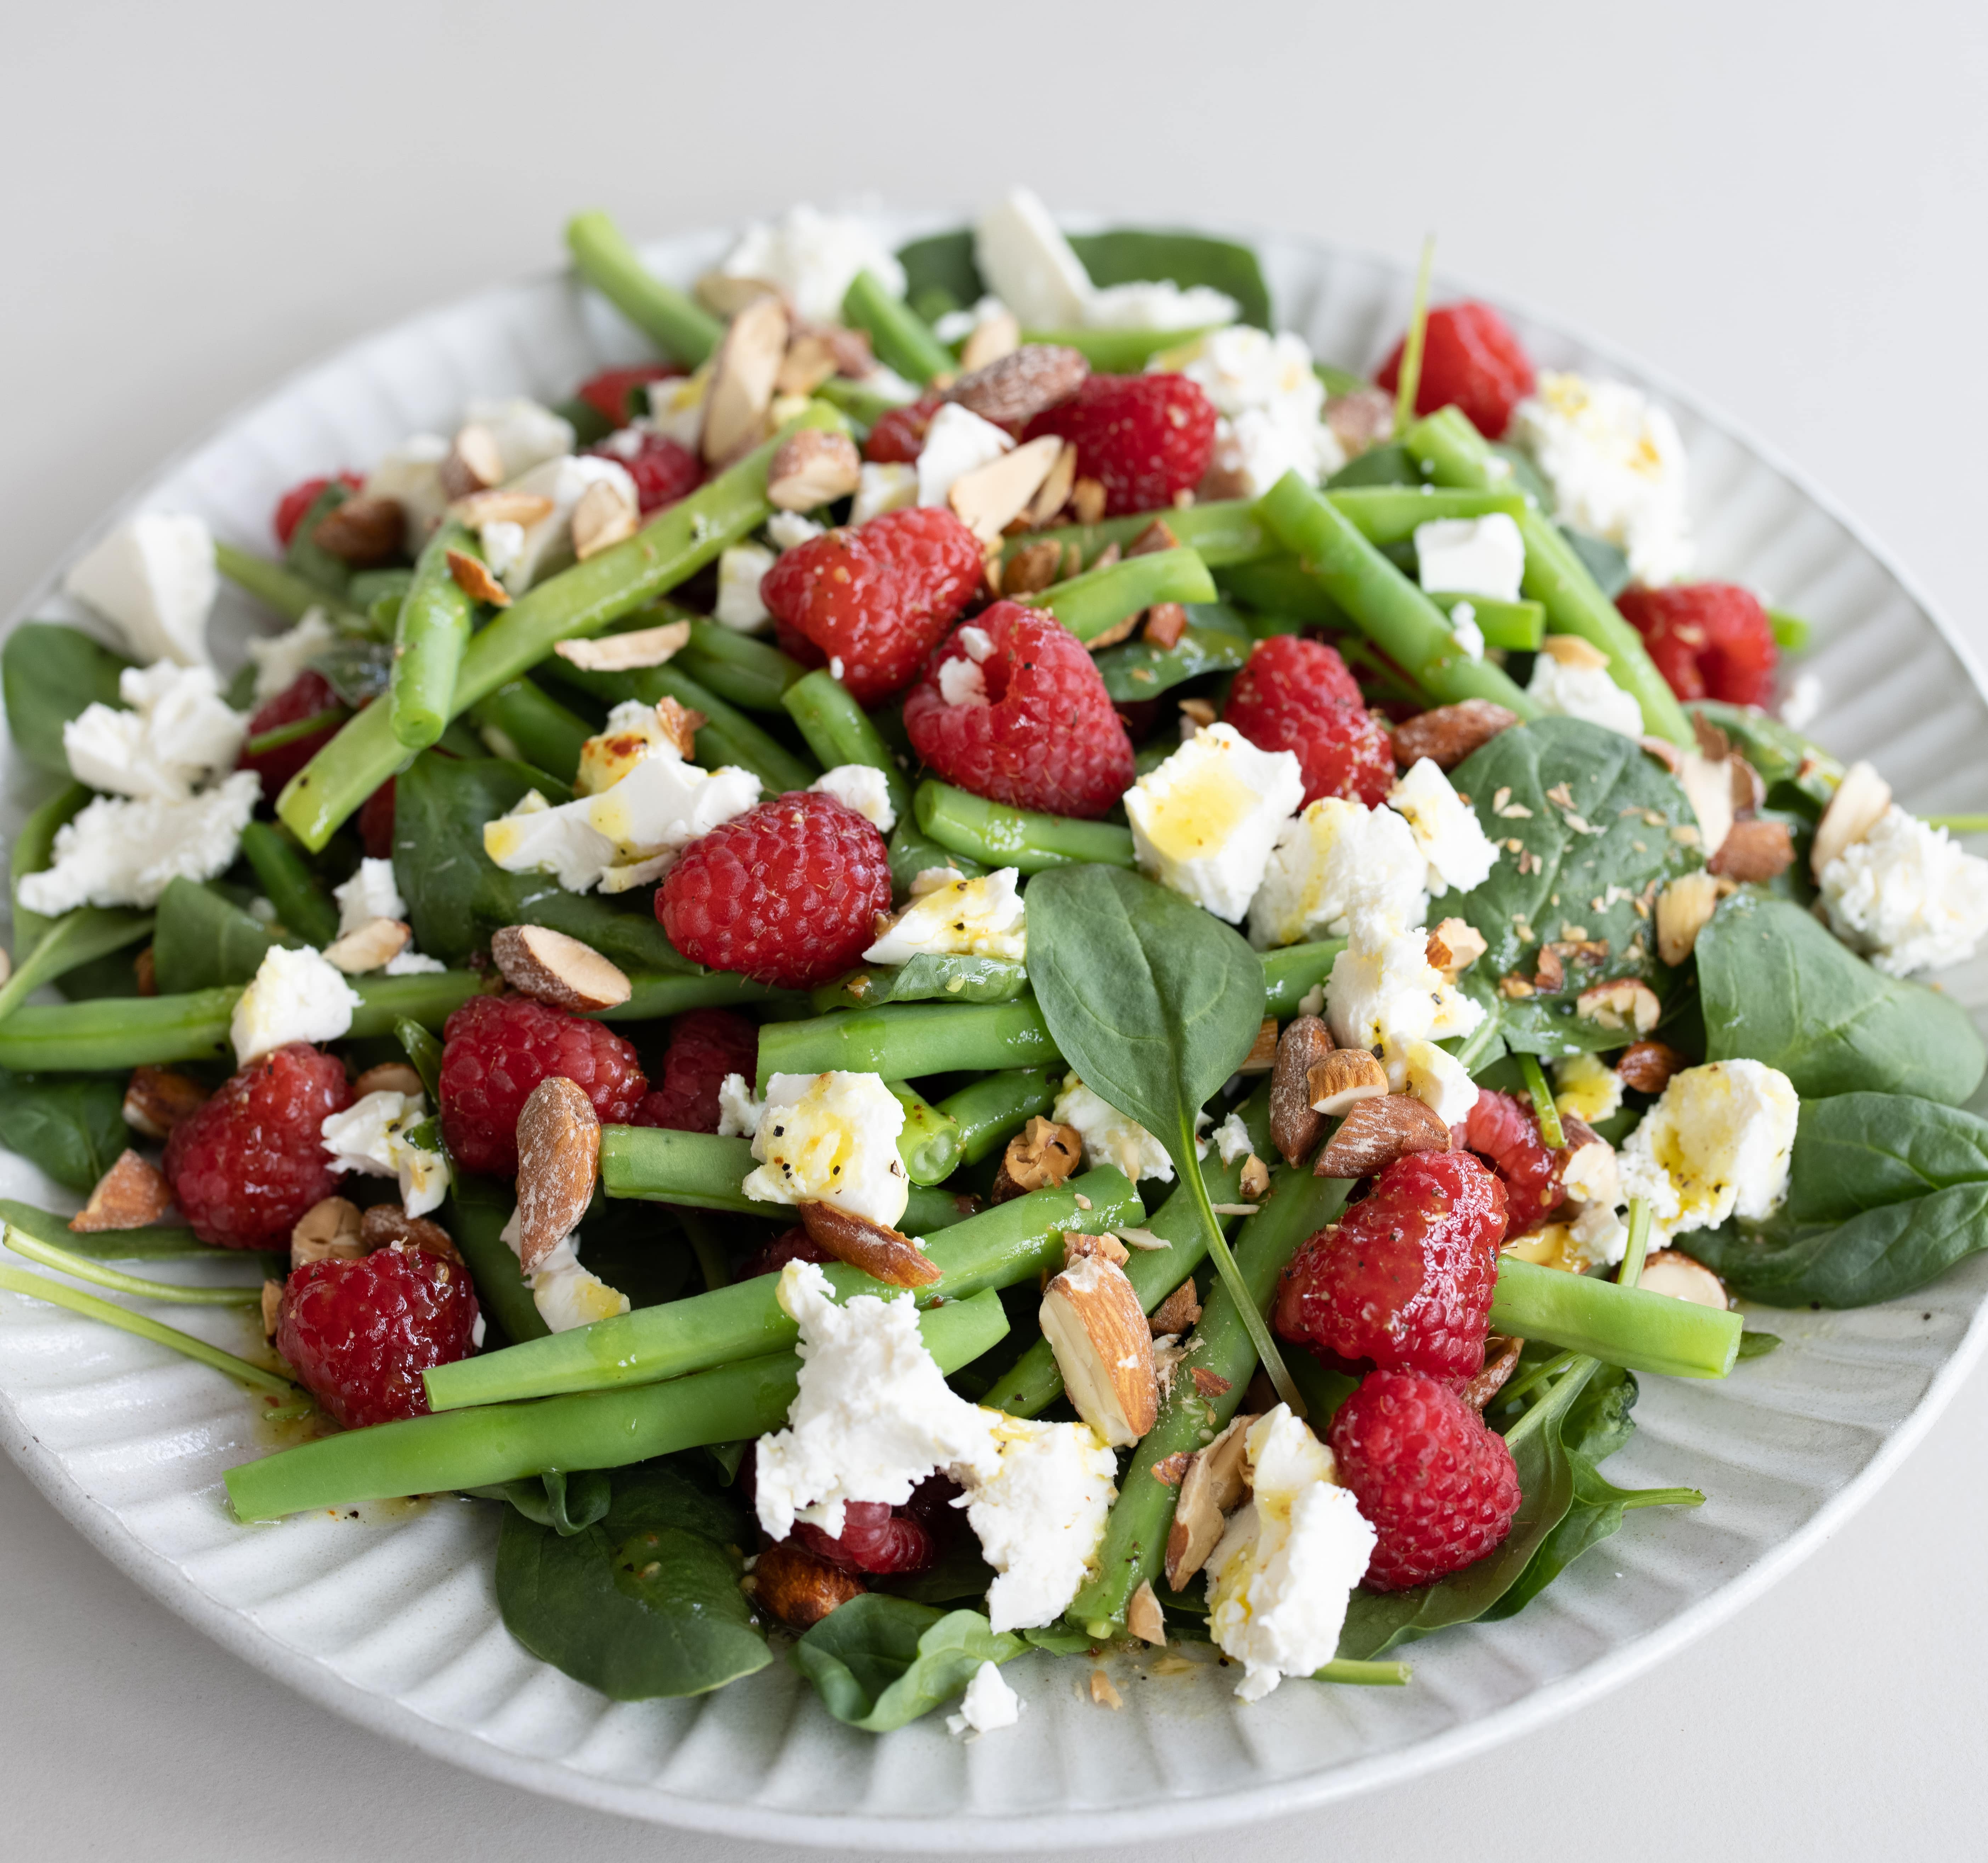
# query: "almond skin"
[811,467]
[1343,1079]
[327,1230]
[158,1098]
[558,969]
[1021,384]
[1041,1154]
[1449,734]
[386,1225]
[1376,1132]
[131,1194]
[559,1152]
[1647,1066]
[1212,1485]
[1096,1329]
[1755,850]
[883,1254]
[1294,1127]
[791,1583]
[363,531]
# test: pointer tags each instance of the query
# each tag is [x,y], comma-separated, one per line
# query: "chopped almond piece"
[1262,1055]
[989,499]
[1754,850]
[367,947]
[363,531]
[328,1230]
[811,467]
[1031,568]
[1294,1126]
[882,1252]
[1087,496]
[1103,1693]
[1255,1182]
[989,340]
[1165,623]
[558,969]
[1858,804]
[1454,946]
[1154,539]
[1571,650]
[131,1194]
[559,1152]
[1077,1245]
[1041,1154]
[1376,1132]
[1683,908]
[1211,1384]
[158,1098]
[387,1226]
[1501,1360]
[1213,1485]
[475,461]
[472,577]
[605,517]
[742,374]
[1168,1470]
[725,295]
[498,506]
[1201,711]
[1176,1313]
[272,1308]
[388,1077]
[145,969]
[625,653]
[680,725]
[1143,1616]
[1627,1003]
[810,361]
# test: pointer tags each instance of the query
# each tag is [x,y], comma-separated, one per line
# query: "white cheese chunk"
[568,1295]
[1471,556]
[371,1136]
[294,996]
[411,963]
[1337,862]
[155,576]
[1159,304]
[1109,1137]
[527,432]
[371,893]
[174,733]
[1039,1515]
[988,1703]
[741,570]
[676,407]
[863,788]
[1587,1088]
[1566,690]
[117,852]
[981,918]
[1232,1140]
[1030,265]
[1383,990]
[889,487]
[1908,896]
[1460,854]
[634,733]
[962,682]
[1270,401]
[831,1137]
[788,530]
[1205,822]
[280,659]
[1435,1077]
[1465,631]
[1716,1145]
[957,325]
[410,475]
[957,442]
[814,258]
[739,1109]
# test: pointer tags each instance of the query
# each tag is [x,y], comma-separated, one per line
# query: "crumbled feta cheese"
[1278,1581]
[1435,1077]
[371,893]
[634,733]
[888,385]
[503,544]
[1460,854]
[567,1295]
[1803,701]
[1337,864]
[741,570]
[1908,896]
[1587,1088]
[1204,822]
[930,879]
[813,258]
[739,1109]
[294,996]
[410,964]
[961,682]
[527,432]
[976,643]
[1383,990]
[410,475]
[1030,265]
[1716,1145]
[1232,1139]
[981,918]
[1471,556]
[1109,1137]
[863,788]
[831,1137]
[281,659]
[957,442]
[879,489]
[1159,304]
[547,544]
[1464,631]
[371,1136]
[1598,1235]
[988,1703]
[676,407]
[155,576]
[789,530]
[1270,401]
[874,1415]
[125,853]
[177,734]
[1591,1174]
[1039,1515]
[1566,690]
[1616,463]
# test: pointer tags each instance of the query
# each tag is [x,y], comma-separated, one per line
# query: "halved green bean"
[1099,599]
[1620,1326]
[996,1248]
[1517,626]
[994,1107]
[84,1268]
[838,731]
[682,329]
[481,1207]
[899,335]
[1791,632]
[1118,352]
[523,720]
[1282,597]
[929,1144]
[865,406]
[906,1041]
[276,587]
[430,637]
[1389,609]
[655,994]
[925,979]
[301,902]
[998,836]
[600,1429]
[735,666]
[1294,973]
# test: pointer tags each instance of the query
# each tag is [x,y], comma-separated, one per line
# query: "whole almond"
[158,1098]
[1376,1132]
[363,531]
[883,1253]
[330,1229]
[742,375]
[1756,850]
[811,467]
[1021,384]
[1449,734]
[559,1152]
[387,1226]
[789,1583]
[1647,1066]
[367,947]
[388,1077]
[1343,1079]
[558,969]
[131,1194]
[1294,1127]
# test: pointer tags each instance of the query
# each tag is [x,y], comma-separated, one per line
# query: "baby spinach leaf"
[304,557]
[49,673]
[1132,255]
[878,1662]
[1777,987]
[202,941]
[1758,1345]
[958,1575]
[940,271]
[73,1127]
[1214,640]
[567,1504]
[1391,464]
[927,978]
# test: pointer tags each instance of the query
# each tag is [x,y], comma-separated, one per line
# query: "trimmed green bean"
[1294,973]
[866,406]
[1391,514]
[301,902]
[600,1429]
[276,587]
[481,1207]
[998,836]
[838,731]
[929,1144]
[1620,1326]
[736,666]
[1089,603]
[906,1041]
[1118,352]
[656,994]
[900,336]
[682,329]
[994,1107]
[1517,626]
[523,721]
[996,1248]
[1282,595]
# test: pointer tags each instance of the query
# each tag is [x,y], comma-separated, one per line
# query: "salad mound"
[985,962]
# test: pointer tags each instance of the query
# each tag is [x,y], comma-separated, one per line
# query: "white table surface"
[1782,207]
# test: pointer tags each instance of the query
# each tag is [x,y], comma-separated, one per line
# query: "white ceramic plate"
[389,1616]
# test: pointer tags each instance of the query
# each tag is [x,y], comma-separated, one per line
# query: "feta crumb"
[1435,1077]
[1039,1515]
[410,475]
[832,1137]
[957,442]
[1383,990]
[988,1703]
[1585,693]
[739,1108]
[813,258]
[1599,1236]
[155,576]
[527,432]
[1313,1001]
[1109,1137]
[1030,265]
[1587,1088]
[741,570]
[547,544]
[1464,631]
[1803,701]
[1232,1140]
[1336,863]
[863,788]
[1205,822]
[961,682]
[976,643]
[1716,1145]
[294,996]
[1459,852]
[1269,401]
[410,964]
[981,918]
[281,659]
[119,852]
[503,541]
[1159,304]
[1908,896]
[1471,556]
[174,733]
[371,1136]
[879,489]
[957,325]
[789,530]
[633,733]
[371,893]
[930,879]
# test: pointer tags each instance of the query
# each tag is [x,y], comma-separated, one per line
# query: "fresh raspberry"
[290,507]
[788,893]
[877,597]
[1404,1280]
[1470,360]
[1709,640]
[610,391]
[1296,694]
[496,1049]
[795,1244]
[250,1159]
[663,470]
[1438,1487]
[360,1333]
[305,697]
[1145,438]
[1504,1130]
[1046,736]
[873,1540]
[705,1045]
[899,436]
[376,822]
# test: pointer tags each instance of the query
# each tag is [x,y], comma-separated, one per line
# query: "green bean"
[1620,1326]
[521,721]
[929,1144]
[1118,352]
[1389,609]
[925,979]
[994,1108]
[900,336]
[429,639]
[736,666]
[1791,632]
[579,601]
[905,1041]
[1391,514]
[482,1206]
[656,995]
[276,587]
[680,327]
[913,852]
[1292,973]
[1544,1110]
[1089,603]
[301,902]
[838,731]
[1456,453]
[866,406]
[600,1429]
[999,1247]
[1518,627]
[1279,589]
[998,836]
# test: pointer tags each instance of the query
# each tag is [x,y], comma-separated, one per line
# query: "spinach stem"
[1552,1368]
[1548,1113]
[80,1267]
[1408,384]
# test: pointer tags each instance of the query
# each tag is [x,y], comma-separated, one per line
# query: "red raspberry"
[360,1333]
[1296,694]
[788,893]
[250,1160]
[1405,1279]
[899,437]
[609,391]
[1709,640]
[305,697]
[290,507]
[663,470]
[705,1045]
[1503,1129]
[1438,1486]
[1470,360]
[496,1049]
[873,1540]
[1048,737]
[1145,438]
[795,1244]
[376,822]
[878,596]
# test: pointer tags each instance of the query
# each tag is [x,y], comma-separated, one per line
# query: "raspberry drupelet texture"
[250,1160]
[611,392]
[376,822]
[787,893]
[360,1333]
[292,506]
[1296,694]
[663,470]
[705,1045]
[1404,1280]
[1709,640]
[306,696]
[496,1049]
[1503,1130]
[899,436]
[875,596]
[1045,737]
[874,1538]
[1470,360]
[1145,438]
[1438,1487]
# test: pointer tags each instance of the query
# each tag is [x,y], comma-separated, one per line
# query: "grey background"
[1782,207]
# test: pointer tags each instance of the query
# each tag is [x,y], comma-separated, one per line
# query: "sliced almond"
[131,1194]
[1343,1079]
[1501,1360]
[1627,1003]
[272,1308]
[789,1583]
[1086,497]
[1749,788]
[1755,850]
[1449,734]
[367,947]
[1454,946]
[1032,568]
[475,461]
[742,375]
[989,340]
[1041,1154]
[1210,1384]
[1169,1470]
[881,1252]
[329,1230]
[1254,1182]
[1647,1066]
[810,361]
[1670,1271]
[1112,636]
[606,516]
[1020,385]
[157,1099]
[1375,1132]
[558,1151]
[1683,908]
[1154,539]
[1708,787]
[1077,1246]
[725,295]
[1665,753]
[680,726]
[1103,1693]
[472,575]
[1143,1616]
[811,467]
[1215,1482]
[387,1226]
[1096,1329]
[1165,623]
[1857,806]
[498,506]
[1199,712]
[388,1077]
[1571,650]
[558,969]
[989,499]
[363,531]
[1262,1055]
[625,653]
[1294,1127]
[1055,491]
[1176,1313]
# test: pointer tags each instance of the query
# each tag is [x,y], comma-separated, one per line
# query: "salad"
[985,962]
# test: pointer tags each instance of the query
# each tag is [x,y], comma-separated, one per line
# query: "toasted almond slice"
[1665,753]
[1254,1182]
[884,1253]
[1647,1066]
[989,498]
[1143,1616]
[272,1308]
[725,295]
[1376,1132]
[387,1226]
[1024,382]
[989,340]
[388,1077]
[1708,787]
[472,577]
[604,517]
[1031,568]
[158,1098]
[1118,631]
[625,653]
[1169,1469]
[789,1583]
[810,361]
[1096,1329]
[1054,492]
[1342,1080]
[1294,1126]
[680,726]
[363,531]
[475,461]
[742,375]
[329,1230]
[558,969]
[1176,1313]
[1857,806]
[1165,623]
[1262,1055]
[1501,1360]
[1087,496]
[1077,1245]
[558,1149]
[1571,650]
[1627,1003]
[1211,1384]
[498,506]
[1683,1278]
[1684,909]
[1103,1693]
[812,467]
[1042,1154]
[1214,1485]
[1199,712]
[367,947]
[1454,946]
[131,1194]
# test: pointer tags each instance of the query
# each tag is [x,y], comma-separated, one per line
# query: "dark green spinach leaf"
[569,1504]
[71,1126]
[878,1662]
[1606,562]
[304,557]
[1214,640]
[50,673]
[202,941]
[1391,464]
